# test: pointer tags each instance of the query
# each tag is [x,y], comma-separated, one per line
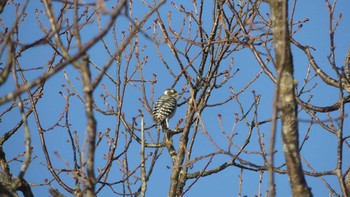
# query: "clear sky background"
[319,150]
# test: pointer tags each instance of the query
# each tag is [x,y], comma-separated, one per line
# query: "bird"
[165,107]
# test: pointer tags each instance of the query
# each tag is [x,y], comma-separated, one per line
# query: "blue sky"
[319,150]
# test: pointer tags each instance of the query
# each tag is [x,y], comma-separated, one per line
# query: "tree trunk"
[286,97]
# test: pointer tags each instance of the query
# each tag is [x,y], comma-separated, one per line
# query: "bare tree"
[79,81]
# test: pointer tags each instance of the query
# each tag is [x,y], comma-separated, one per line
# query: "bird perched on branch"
[165,107]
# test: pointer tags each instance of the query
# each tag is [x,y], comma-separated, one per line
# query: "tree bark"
[286,97]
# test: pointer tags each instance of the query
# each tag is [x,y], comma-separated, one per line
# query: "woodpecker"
[165,107]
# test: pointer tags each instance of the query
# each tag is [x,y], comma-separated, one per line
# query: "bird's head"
[172,92]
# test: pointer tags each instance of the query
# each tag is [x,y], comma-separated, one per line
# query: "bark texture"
[286,98]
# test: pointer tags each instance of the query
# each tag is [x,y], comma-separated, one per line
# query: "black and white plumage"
[165,107]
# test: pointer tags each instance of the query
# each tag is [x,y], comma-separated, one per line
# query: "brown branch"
[63,64]
[286,99]
[91,124]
